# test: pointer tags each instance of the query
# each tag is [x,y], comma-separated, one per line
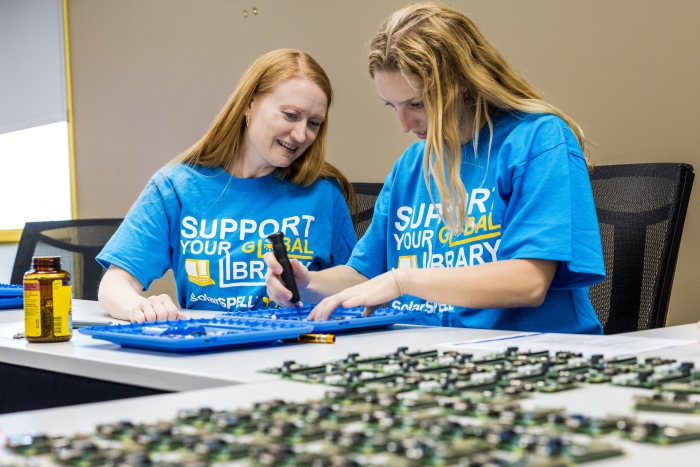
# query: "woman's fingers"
[325,308]
[173,312]
[155,308]
[370,294]
[149,313]
[276,289]
[137,316]
[323,311]
[158,308]
[272,264]
[301,273]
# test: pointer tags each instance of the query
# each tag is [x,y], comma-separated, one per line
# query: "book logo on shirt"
[198,271]
[408,261]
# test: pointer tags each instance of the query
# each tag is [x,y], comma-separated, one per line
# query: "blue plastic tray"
[11,296]
[197,334]
[7,303]
[11,290]
[342,319]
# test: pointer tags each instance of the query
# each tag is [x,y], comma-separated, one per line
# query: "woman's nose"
[404,120]
[299,132]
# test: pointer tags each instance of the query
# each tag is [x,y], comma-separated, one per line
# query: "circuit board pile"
[510,372]
[346,428]
[403,409]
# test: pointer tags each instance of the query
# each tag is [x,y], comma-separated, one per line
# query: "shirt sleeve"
[369,257]
[551,215]
[141,245]
[344,237]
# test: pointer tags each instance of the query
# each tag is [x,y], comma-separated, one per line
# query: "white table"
[11,316]
[98,359]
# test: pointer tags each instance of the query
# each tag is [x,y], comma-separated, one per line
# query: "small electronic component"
[690,387]
[678,402]
[658,434]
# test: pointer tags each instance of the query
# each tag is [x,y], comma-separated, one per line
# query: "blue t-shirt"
[211,229]
[531,199]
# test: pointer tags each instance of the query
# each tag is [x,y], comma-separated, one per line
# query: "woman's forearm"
[329,282]
[502,284]
[119,291]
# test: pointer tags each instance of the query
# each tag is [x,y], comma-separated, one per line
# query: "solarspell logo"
[198,271]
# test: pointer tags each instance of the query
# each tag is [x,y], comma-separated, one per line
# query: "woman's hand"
[276,289]
[153,308]
[370,294]
[119,295]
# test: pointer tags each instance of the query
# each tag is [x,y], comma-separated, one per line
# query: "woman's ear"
[248,112]
[251,104]
[465,95]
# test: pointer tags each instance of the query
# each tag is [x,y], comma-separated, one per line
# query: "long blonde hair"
[221,145]
[446,51]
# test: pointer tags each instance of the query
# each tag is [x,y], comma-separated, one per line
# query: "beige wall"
[150,75]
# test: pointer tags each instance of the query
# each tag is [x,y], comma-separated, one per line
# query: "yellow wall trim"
[10,236]
[69,111]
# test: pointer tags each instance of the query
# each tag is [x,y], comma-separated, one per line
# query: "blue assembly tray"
[7,303]
[11,296]
[197,334]
[342,319]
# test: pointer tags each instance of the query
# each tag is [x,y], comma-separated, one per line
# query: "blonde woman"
[488,221]
[260,169]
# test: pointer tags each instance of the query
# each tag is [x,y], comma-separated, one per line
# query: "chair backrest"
[641,211]
[77,242]
[367,194]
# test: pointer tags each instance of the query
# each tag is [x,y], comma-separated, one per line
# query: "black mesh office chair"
[641,211]
[77,242]
[367,194]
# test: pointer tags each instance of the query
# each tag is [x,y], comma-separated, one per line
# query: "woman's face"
[405,99]
[283,124]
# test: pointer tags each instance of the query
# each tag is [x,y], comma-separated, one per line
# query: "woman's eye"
[313,124]
[289,116]
[417,105]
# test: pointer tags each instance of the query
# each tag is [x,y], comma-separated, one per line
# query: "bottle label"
[62,308]
[32,309]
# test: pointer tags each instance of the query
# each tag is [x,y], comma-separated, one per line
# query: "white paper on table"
[608,346]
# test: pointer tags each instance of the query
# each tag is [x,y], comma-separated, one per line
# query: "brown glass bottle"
[47,301]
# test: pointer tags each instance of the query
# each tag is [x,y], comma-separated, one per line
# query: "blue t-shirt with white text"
[530,199]
[210,228]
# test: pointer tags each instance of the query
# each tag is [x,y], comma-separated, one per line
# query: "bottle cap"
[46,263]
